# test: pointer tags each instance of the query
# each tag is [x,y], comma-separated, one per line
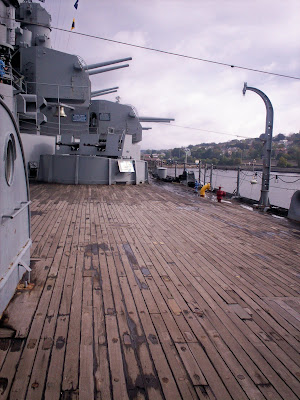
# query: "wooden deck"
[143,293]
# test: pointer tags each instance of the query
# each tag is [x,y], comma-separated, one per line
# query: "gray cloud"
[258,34]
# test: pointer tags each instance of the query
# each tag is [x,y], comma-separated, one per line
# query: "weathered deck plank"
[143,293]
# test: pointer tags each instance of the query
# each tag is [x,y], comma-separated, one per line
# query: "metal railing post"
[238,183]
[199,172]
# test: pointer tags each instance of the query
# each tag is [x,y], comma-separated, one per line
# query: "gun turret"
[133,114]
[103,64]
[102,94]
[154,119]
[99,71]
[99,92]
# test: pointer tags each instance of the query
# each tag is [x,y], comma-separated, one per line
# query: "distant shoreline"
[292,170]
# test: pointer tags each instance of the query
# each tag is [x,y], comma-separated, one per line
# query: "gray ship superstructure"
[15,239]
[68,136]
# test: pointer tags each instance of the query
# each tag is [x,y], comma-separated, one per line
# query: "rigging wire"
[285,175]
[206,130]
[69,34]
[75,129]
[229,177]
[281,188]
[53,128]
[273,176]
[287,181]
[242,180]
[58,15]
[179,54]
[246,180]
[167,52]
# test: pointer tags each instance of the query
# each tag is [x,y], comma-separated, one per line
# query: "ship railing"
[18,81]
[14,78]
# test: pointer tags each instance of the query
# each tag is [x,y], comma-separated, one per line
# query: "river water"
[282,185]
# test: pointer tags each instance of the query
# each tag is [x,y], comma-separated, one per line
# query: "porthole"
[10,156]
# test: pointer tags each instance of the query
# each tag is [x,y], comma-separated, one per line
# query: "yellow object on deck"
[202,190]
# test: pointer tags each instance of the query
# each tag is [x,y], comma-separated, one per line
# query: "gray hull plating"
[14,209]
[15,239]
[76,169]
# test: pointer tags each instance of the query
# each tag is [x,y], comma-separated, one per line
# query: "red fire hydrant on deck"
[220,194]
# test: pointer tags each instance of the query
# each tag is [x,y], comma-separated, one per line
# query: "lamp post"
[267,146]
[187,153]
[58,102]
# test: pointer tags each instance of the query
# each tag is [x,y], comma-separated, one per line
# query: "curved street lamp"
[267,146]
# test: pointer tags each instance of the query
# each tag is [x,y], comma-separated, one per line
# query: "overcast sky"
[259,34]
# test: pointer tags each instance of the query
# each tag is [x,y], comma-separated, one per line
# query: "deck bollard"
[294,210]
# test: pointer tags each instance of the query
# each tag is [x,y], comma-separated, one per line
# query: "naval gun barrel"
[98,92]
[99,71]
[103,64]
[102,94]
[154,119]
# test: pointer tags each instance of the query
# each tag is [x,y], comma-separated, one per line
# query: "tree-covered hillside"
[285,152]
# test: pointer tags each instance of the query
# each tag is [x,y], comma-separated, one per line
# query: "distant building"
[284,142]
